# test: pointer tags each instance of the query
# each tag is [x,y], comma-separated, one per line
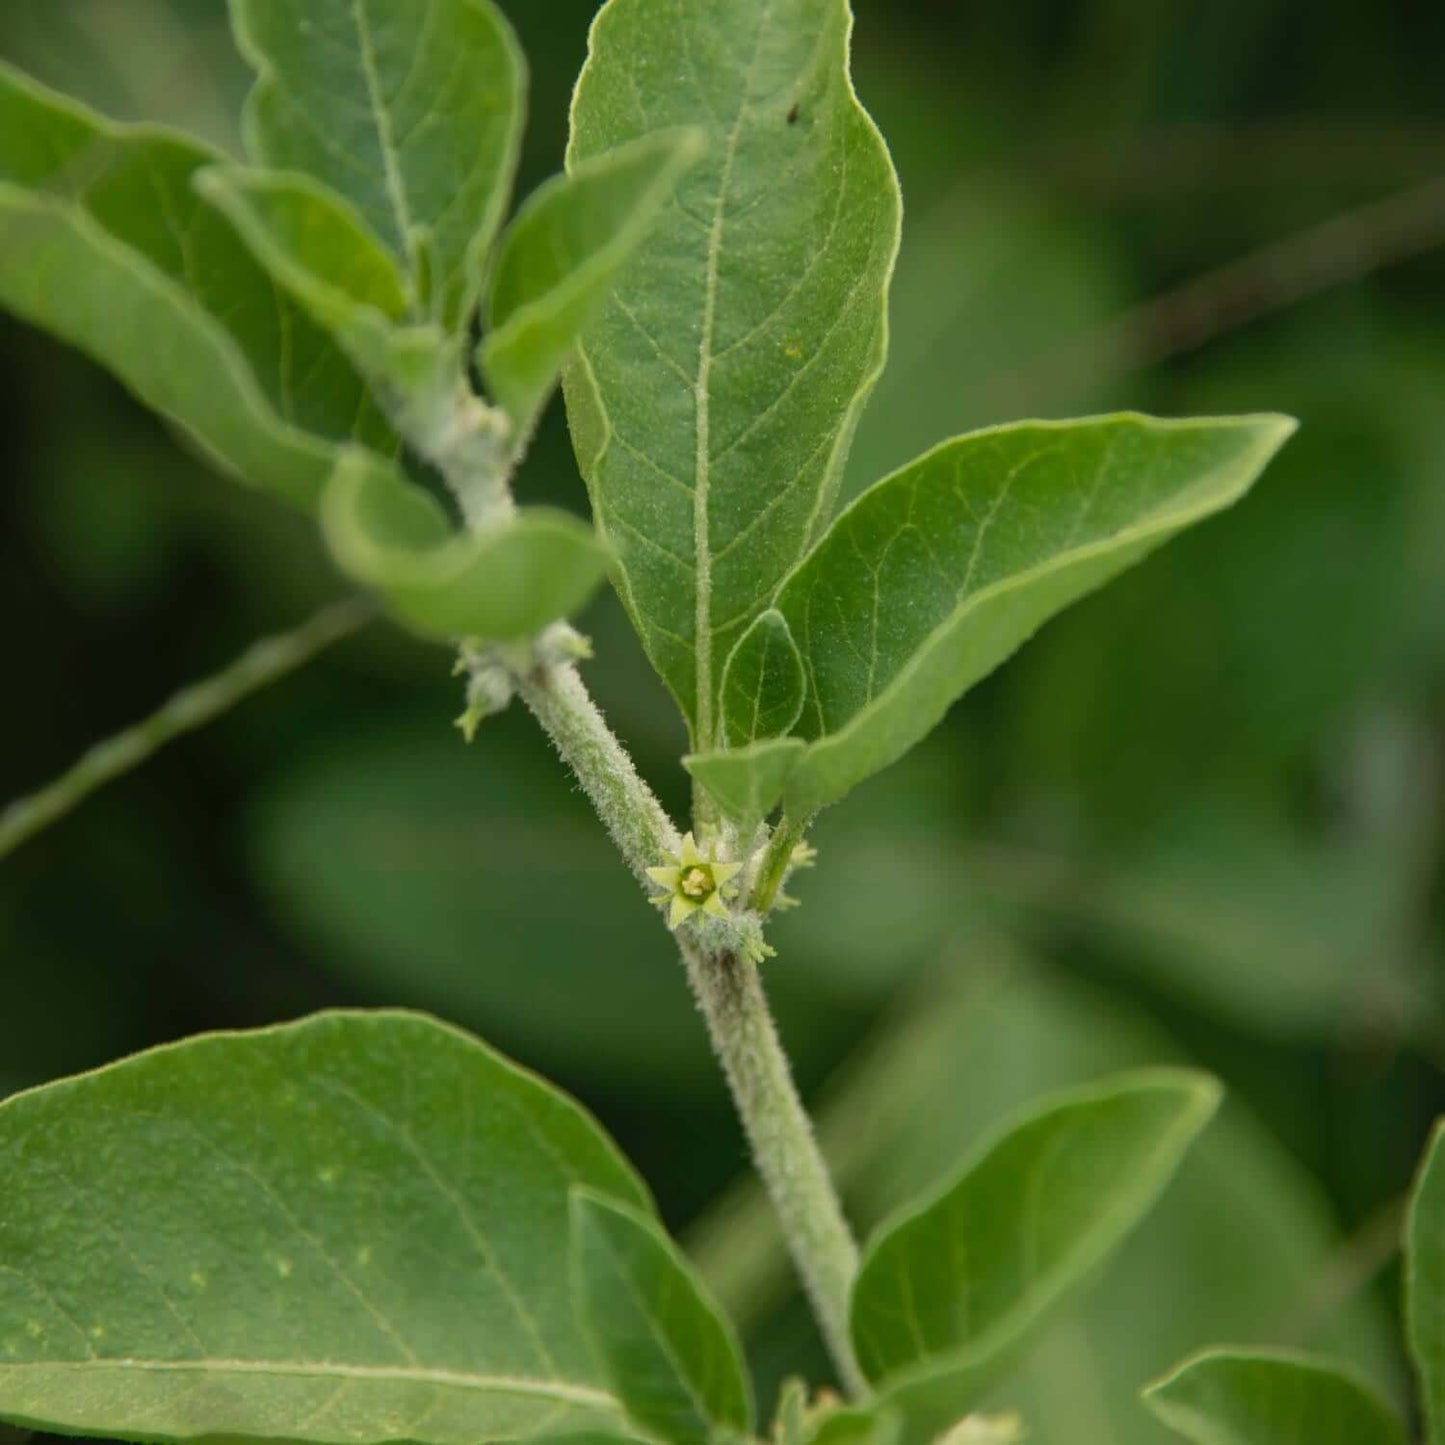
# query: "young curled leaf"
[562,255]
[503,584]
[763,683]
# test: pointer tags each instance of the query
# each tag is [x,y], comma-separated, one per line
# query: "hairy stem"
[730,993]
[725,982]
[192,707]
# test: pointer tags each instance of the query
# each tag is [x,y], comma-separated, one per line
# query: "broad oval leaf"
[501,584]
[1255,1397]
[1425,1283]
[348,1230]
[672,1357]
[763,684]
[713,402]
[413,112]
[938,573]
[947,1294]
[104,241]
[562,255]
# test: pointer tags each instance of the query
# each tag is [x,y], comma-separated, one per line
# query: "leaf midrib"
[552,1389]
[390,155]
[702,464]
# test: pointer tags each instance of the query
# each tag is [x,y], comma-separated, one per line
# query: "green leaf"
[502,584]
[105,242]
[318,247]
[414,113]
[747,782]
[763,684]
[938,573]
[671,1355]
[1425,1283]
[561,256]
[348,1230]
[1253,1397]
[947,1294]
[713,402]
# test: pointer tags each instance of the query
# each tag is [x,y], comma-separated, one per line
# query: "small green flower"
[694,883]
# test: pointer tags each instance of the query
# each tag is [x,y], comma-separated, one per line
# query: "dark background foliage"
[1200,817]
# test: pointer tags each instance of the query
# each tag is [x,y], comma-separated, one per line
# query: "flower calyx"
[693,882]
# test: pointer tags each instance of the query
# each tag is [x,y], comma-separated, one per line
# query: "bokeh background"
[1199,818]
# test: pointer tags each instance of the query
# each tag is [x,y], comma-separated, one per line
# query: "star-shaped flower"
[693,882]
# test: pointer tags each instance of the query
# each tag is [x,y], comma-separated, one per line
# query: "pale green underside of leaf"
[413,111]
[348,1230]
[672,1357]
[562,255]
[764,685]
[938,573]
[948,1294]
[1254,1397]
[104,242]
[1425,1283]
[502,584]
[715,398]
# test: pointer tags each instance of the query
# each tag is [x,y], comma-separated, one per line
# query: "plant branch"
[258,667]
[730,993]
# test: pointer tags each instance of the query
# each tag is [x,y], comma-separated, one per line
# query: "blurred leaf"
[1272,932]
[563,253]
[417,120]
[671,1357]
[1254,1398]
[106,244]
[1425,1283]
[505,583]
[947,1295]
[310,1214]
[936,574]
[714,400]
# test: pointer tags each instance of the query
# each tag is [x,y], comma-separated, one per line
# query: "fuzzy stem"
[730,993]
[731,997]
[192,707]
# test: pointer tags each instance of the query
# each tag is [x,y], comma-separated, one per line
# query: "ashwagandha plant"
[368,1227]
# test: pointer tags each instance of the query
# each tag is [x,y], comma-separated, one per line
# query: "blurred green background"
[1200,817]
